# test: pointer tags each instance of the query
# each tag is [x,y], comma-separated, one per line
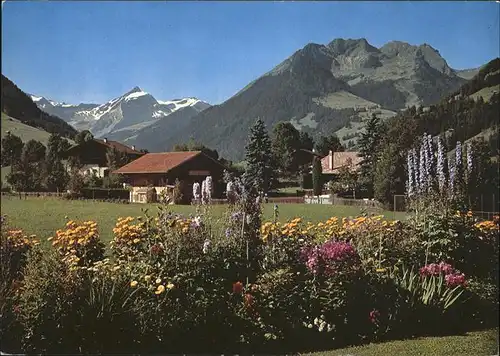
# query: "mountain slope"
[17,104]
[25,132]
[326,88]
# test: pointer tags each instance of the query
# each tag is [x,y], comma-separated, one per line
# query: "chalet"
[161,170]
[92,155]
[332,163]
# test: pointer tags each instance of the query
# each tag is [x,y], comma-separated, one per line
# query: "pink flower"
[329,256]
[453,280]
[374,315]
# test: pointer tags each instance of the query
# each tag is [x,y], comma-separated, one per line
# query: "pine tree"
[12,147]
[387,181]
[317,176]
[368,143]
[57,176]
[260,172]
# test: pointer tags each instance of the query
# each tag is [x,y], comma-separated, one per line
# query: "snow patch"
[158,114]
[180,103]
[36,98]
[135,95]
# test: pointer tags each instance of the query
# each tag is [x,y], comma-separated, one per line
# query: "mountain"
[18,105]
[329,88]
[124,117]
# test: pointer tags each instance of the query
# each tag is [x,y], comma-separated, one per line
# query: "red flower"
[248,300]
[374,315]
[237,287]
[156,249]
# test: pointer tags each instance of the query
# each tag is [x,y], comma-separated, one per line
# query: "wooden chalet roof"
[112,144]
[157,162]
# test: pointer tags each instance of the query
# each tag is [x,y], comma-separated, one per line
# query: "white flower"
[206,245]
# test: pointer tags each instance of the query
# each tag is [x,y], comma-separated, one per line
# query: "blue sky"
[94,51]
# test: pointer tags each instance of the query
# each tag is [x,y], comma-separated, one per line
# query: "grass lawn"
[43,216]
[479,343]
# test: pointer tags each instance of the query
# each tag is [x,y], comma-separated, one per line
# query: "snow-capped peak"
[135,95]
[36,98]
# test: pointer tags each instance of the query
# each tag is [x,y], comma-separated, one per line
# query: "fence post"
[394,210]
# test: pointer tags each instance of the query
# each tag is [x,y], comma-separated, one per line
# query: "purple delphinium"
[410,184]
[440,165]
[203,192]
[451,180]
[429,158]
[236,216]
[196,191]
[228,232]
[421,171]
[469,159]
[458,155]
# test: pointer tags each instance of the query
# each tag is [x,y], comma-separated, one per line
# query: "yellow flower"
[147,278]
[158,280]
[160,289]
[170,286]
[133,284]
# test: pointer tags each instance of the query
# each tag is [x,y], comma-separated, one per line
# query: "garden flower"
[451,179]
[197,221]
[228,232]
[133,284]
[236,216]
[248,300]
[196,191]
[158,280]
[456,279]
[160,289]
[469,159]
[374,315]
[440,165]
[170,286]
[156,249]
[422,179]
[206,246]
[237,287]
[458,154]
[410,183]
[147,278]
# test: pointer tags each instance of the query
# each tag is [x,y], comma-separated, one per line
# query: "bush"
[151,195]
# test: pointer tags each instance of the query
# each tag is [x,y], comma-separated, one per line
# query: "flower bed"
[247,286]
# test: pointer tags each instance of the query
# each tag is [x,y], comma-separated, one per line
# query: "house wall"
[138,194]
[194,170]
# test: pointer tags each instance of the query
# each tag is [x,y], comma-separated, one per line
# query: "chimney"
[133,147]
[330,160]
[105,140]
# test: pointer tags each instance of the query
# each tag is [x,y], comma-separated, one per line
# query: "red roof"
[340,159]
[157,162]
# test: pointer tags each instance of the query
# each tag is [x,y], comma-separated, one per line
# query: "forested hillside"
[17,104]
